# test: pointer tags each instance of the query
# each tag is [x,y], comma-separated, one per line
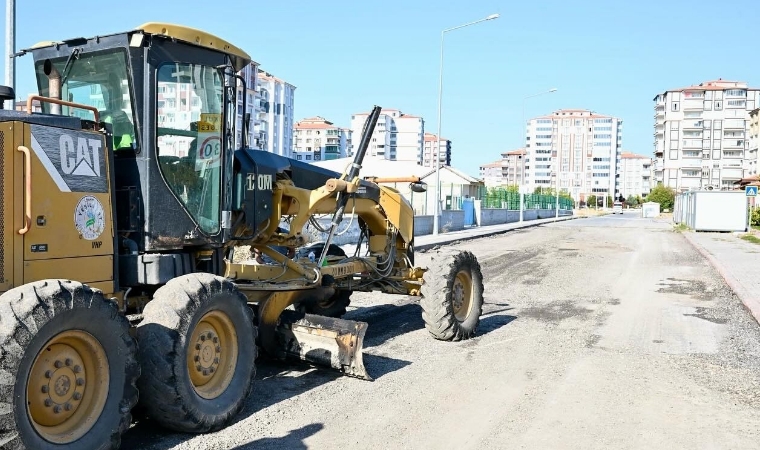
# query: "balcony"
[692,143]
[733,124]
[736,154]
[693,124]
[735,144]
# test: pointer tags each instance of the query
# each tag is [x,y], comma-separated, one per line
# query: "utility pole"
[10,48]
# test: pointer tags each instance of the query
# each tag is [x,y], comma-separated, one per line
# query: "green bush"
[665,196]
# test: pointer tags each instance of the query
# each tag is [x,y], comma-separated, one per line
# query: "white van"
[617,207]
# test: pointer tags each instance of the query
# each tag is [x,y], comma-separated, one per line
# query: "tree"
[591,201]
[632,200]
[663,195]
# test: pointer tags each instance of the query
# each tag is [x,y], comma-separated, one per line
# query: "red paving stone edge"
[750,302]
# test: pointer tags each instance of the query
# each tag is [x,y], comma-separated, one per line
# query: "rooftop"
[492,164]
[629,155]
[264,75]
[712,85]
[315,123]
[389,111]
[573,113]
[430,137]
[519,151]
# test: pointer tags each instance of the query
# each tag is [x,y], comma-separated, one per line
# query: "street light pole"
[525,151]
[10,48]
[438,137]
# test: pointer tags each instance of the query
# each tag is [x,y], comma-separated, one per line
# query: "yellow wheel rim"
[212,354]
[67,386]
[462,295]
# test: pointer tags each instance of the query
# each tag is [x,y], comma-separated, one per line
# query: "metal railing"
[511,201]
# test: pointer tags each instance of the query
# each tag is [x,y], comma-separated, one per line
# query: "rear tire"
[198,352]
[335,306]
[452,295]
[68,368]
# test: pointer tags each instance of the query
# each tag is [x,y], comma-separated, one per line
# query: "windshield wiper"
[67,66]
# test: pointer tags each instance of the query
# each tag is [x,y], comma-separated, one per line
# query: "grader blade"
[324,341]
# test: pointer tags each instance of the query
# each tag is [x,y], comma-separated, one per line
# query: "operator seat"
[123,129]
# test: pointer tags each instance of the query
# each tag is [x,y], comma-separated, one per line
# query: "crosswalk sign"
[750,191]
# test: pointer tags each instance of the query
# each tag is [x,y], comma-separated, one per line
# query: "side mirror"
[418,187]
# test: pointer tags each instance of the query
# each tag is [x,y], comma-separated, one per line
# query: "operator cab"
[168,94]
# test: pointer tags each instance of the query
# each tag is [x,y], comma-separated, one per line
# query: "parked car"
[617,207]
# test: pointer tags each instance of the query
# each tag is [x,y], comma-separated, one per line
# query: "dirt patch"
[693,288]
[708,315]
[555,312]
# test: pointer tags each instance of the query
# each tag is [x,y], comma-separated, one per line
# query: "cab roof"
[192,36]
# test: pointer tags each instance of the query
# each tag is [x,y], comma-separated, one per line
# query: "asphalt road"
[598,333]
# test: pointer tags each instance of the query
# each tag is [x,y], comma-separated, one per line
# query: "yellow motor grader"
[123,203]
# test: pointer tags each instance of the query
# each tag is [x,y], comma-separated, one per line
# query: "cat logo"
[75,160]
[80,158]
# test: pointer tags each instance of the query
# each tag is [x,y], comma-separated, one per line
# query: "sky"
[344,57]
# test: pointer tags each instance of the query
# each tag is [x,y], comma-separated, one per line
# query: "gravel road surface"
[599,333]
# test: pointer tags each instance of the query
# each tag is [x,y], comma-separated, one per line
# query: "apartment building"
[397,136]
[577,149]
[252,106]
[317,139]
[430,151]
[701,135]
[274,131]
[754,141]
[513,167]
[635,174]
[492,173]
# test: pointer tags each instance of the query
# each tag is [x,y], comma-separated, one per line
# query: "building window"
[675,106]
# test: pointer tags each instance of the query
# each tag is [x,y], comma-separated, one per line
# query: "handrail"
[27,189]
[32,98]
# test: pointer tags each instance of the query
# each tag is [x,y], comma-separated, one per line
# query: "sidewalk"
[736,261]
[428,241]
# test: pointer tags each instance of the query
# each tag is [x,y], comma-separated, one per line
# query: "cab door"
[70,233]
[11,214]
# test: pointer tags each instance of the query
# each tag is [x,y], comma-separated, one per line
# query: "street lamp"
[438,138]
[522,141]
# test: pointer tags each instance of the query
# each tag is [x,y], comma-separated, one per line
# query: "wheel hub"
[207,353]
[63,383]
[212,354]
[63,403]
[461,295]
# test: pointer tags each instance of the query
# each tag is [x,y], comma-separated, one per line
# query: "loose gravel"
[597,333]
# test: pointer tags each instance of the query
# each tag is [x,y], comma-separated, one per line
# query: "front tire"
[68,368]
[198,352]
[335,306]
[452,295]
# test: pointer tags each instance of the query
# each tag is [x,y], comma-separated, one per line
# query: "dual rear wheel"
[70,370]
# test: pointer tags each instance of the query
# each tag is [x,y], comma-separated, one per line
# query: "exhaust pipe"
[54,85]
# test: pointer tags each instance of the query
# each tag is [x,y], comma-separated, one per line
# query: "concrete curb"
[456,239]
[749,301]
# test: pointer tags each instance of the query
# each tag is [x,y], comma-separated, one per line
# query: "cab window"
[189,102]
[96,79]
